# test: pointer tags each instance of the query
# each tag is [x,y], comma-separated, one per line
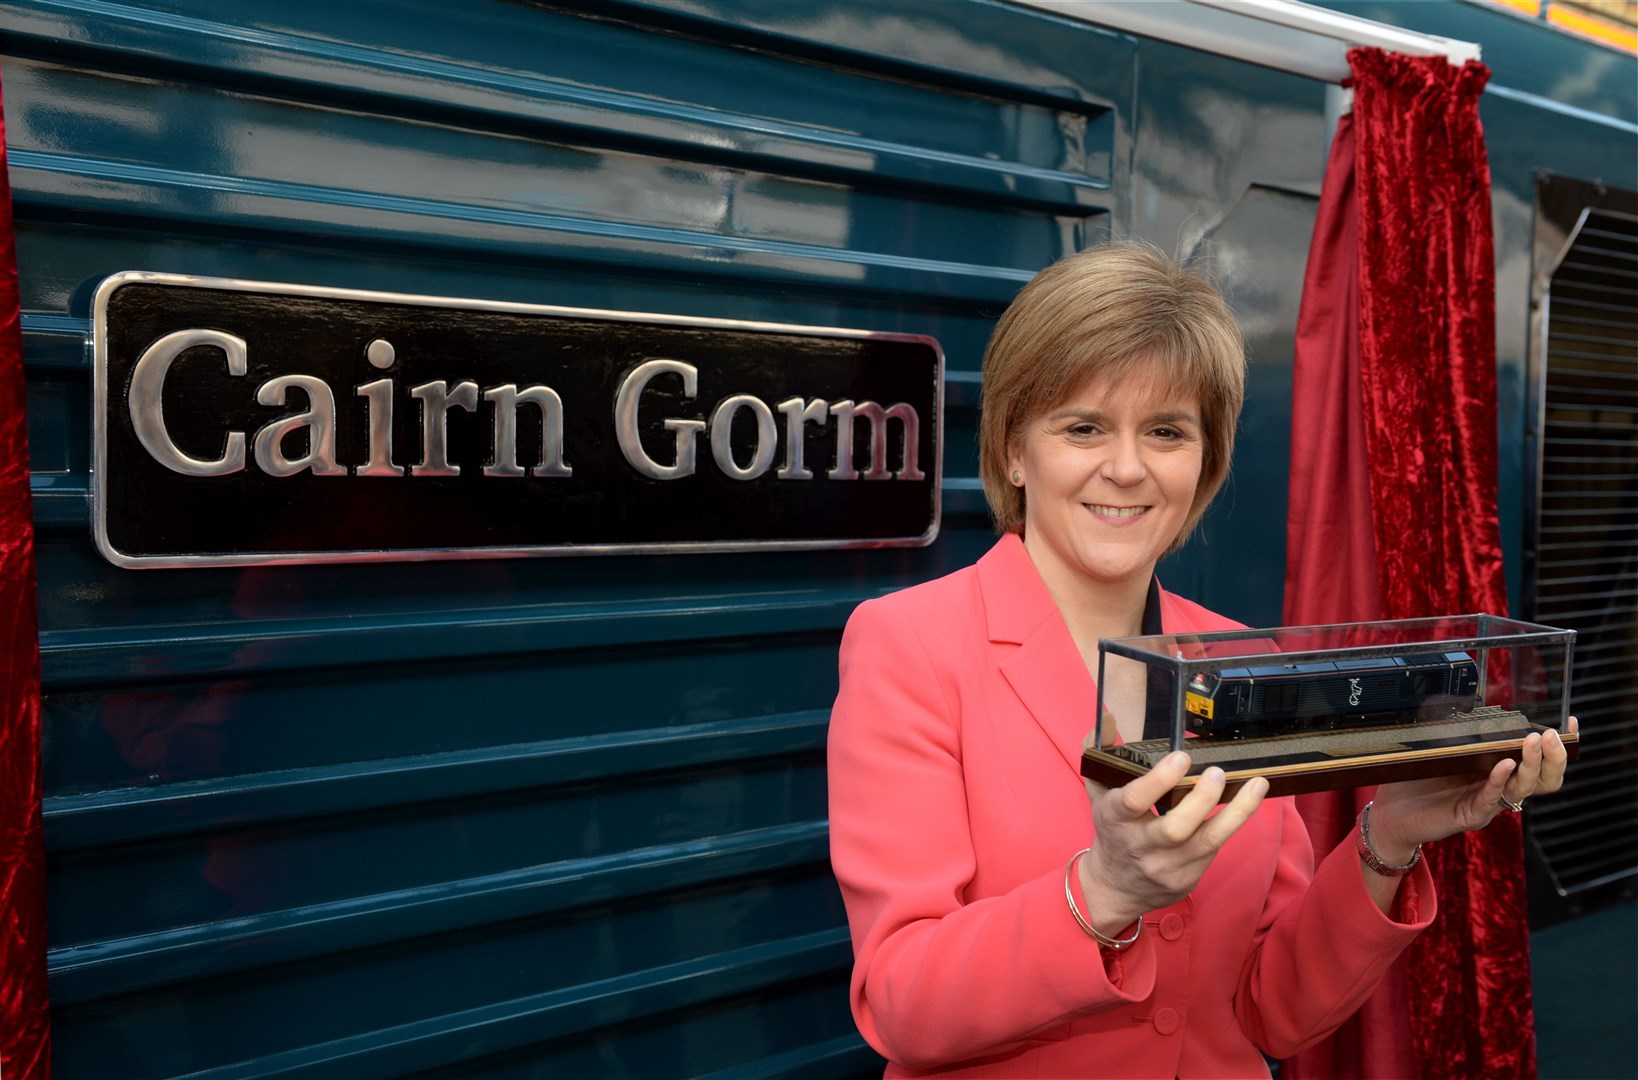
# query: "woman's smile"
[1117,515]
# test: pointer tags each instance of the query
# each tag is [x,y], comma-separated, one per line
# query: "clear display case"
[1318,707]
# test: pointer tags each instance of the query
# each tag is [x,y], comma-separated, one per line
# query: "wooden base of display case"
[1299,763]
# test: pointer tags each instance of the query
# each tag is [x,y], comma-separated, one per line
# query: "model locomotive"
[1287,698]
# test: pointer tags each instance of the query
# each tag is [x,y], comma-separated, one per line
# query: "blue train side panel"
[567,816]
[522,817]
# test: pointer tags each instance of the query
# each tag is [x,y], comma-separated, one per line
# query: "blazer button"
[1171,926]
[1166,1021]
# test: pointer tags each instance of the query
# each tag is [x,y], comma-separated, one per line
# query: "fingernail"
[1213,773]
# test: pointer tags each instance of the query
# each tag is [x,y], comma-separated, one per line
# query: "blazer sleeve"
[1321,945]
[937,979]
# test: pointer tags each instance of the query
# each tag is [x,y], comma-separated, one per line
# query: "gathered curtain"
[1392,515]
[25,1034]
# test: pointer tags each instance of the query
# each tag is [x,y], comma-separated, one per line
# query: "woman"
[1007,920]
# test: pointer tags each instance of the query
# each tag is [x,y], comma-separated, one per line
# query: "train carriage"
[1278,699]
[566,815]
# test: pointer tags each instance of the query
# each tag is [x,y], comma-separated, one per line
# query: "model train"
[1281,699]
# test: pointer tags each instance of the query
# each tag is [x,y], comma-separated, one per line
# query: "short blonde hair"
[1121,308]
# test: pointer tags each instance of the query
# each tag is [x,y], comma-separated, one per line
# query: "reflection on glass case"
[1318,707]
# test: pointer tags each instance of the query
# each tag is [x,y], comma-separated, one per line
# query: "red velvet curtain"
[1331,572]
[25,1034]
[1427,333]
[1413,192]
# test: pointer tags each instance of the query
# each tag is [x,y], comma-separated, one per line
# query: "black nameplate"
[245,422]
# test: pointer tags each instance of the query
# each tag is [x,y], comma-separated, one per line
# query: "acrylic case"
[1313,708]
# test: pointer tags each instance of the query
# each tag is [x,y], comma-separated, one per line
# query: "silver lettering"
[625,420]
[722,429]
[910,425]
[147,402]
[507,401]
[436,400]
[378,395]
[319,420]
[797,415]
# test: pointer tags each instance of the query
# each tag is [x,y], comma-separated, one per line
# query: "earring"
[1017,478]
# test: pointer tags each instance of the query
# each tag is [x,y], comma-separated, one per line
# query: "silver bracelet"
[1091,931]
[1368,855]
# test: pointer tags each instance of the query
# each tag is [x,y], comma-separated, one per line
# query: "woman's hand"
[1141,861]
[1415,812]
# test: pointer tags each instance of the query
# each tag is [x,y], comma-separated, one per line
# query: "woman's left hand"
[1415,812]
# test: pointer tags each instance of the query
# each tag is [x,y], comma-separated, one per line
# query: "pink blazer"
[955,804]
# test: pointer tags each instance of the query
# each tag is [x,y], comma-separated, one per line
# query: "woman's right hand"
[1141,860]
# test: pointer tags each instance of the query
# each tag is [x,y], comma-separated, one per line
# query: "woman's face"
[1109,479]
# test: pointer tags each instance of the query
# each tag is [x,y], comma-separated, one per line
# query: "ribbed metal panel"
[563,817]
[559,817]
[1586,538]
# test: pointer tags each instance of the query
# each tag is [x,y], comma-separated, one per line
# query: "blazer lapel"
[1046,670]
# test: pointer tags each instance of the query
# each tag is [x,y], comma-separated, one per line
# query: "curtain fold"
[1428,366]
[1330,534]
[1331,564]
[1393,492]
[25,1037]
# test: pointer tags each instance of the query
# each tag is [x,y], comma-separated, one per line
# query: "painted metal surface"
[563,817]
[515,817]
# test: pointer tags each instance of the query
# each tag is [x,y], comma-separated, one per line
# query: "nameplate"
[244,422]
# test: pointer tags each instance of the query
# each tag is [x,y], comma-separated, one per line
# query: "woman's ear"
[1015,463]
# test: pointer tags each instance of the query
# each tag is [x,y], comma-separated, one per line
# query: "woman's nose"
[1124,466]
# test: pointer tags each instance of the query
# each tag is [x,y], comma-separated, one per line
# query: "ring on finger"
[1509,804]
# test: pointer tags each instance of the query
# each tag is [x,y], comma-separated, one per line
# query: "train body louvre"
[1290,698]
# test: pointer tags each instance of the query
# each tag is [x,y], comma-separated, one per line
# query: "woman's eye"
[1168,433]
[1083,431]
